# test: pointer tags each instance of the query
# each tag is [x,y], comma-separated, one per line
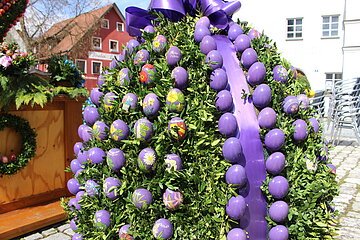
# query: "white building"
[312,34]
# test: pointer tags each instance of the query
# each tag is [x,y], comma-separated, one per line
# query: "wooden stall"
[30,199]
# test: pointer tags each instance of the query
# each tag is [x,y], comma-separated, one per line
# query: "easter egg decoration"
[85,132]
[151,105]
[123,78]
[279,232]
[203,21]
[77,236]
[143,129]
[115,159]
[279,211]
[180,75]
[173,55]
[173,162]
[267,118]
[119,130]
[228,125]
[100,130]
[91,188]
[236,234]
[77,147]
[149,29]
[248,57]
[91,115]
[214,59]
[75,166]
[129,102]
[177,128]
[73,186]
[275,163]
[235,208]
[82,156]
[163,229]
[109,100]
[74,204]
[234,31]
[207,44]
[200,32]
[96,95]
[142,198]
[262,96]
[256,73]
[124,233]
[236,175]
[175,100]
[314,124]
[73,225]
[110,187]
[278,187]
[172,199]
[224,101]
[304,101]
[291,105]
[242,42]
[159,43]
[280,74]
[141,57]
[274,139]
[253,33]
[147,159]
[300,130]
[147,74]
[102,219]
[218,79]
[232,150]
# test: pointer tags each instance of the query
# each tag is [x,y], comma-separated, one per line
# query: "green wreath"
[28,148]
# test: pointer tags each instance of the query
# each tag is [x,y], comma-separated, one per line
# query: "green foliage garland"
[10,15]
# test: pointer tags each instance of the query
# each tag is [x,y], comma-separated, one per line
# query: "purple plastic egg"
[235,208]
[332,168]
[172,199]
[75,165]
[86,133]
[132,44]
[203,21]
[95,96]
[143,129]
[177,128]
[275,163]
[278,187]
[228,125]
[124,233]
[274,139]
[234,31]
[147,74]
[236,234]
[142,198]
[115,159]
[96,155]
[291,105]
[91,115]
[181,77]
[109,100]
[159,43]
[279,211]
[253,33]
[147,159]
[119,130]
[91,188]
[113,64]
[173,162]
[232,150]
[262,96]
[162,229]
[100,80]
[256,73]
[267,118]
[123,78]
[79,195]
[242,42]
[248,57]
[207,44]
[151,105]
[80,130]
[300,130]
[102,219]
[218,79]
[141,57]
[77,236]
[175,100]
[149,29]
[110,187]
[214,59]
[279,232]
[224,101]
[200,32]
[129,102]
[77,147]
[173,55]
[73,186]
[314,124]
[294,72]
[73,225]
[236,175]
[280,74]
[304,101]
[82,156]
[74,204]
[99,130]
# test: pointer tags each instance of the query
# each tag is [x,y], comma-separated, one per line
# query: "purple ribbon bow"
[218,11]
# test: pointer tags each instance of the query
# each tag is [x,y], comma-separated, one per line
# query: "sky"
[122,4]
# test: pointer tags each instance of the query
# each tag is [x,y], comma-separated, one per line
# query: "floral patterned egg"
[102,219]
[175,100]
[147,74]
[173,161]
[291,105]
[149,29]
[143,129]
[159,43]
[124,233]
[151,105]
[119,130]
[99,130]
[141,57]
[172,199]
[163,229]
[115,159]
[110,187]
[173,55]
[142,198]
[123,77]
[91,188]
[280,74]
[129,101]
[147,159]
[109,100]
[177,128]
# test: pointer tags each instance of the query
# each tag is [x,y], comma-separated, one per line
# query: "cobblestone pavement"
[345,156]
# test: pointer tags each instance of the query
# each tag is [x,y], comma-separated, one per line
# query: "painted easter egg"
[131,45]
[119,130]
[262,96]
[236,234]
[173,162]
[91,188]
[101,80]
[77,147]
[256,73]
[177,128]
[235,208]
[80,130]
[278,187]
[102,219]
[232,150]
[149,29]
[141,57]
[314,124]
[124,233]
[151,105]
[115,159]
[141,198]
[73,225]
[253,33]
[228,125]
[99,130]
[175,100]
[159,43]
[172,199]
[279,211]
[123,78]
[82,156]
[129,102]
[279,232]
[109,100]
[267,118]
[110,187]
[143,129]
[248,57]
[162,229]
[207,44]
[242,42]
[77,236]
[236,175]
[173,55]
[147,74]
[280,74]
[75,166]
[214,59]
[304,101]
[200,32]
[96,95]
[224,101]
[218,79]
[181,77]
[74,204]
[86,133]
[234,31]
[290,105]
[73,186]
[300,130]
[80,195]
[203,21]
[275,163]
[147,159]
[274,139]
[91,115]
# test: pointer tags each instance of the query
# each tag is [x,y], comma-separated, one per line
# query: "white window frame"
[295,25]
[92,66]
[122,26]
[330,26]
[85,64]
[117,46]
[329,82]
[105,20]
[92,43]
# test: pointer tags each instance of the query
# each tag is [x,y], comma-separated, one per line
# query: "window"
[294,28]
[331,78]
[81,65]
[96,43]
[330,26]
[113,45]
[105,23]
[96,67]
[119,27]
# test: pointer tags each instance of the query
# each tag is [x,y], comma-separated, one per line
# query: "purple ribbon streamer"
[218,11]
